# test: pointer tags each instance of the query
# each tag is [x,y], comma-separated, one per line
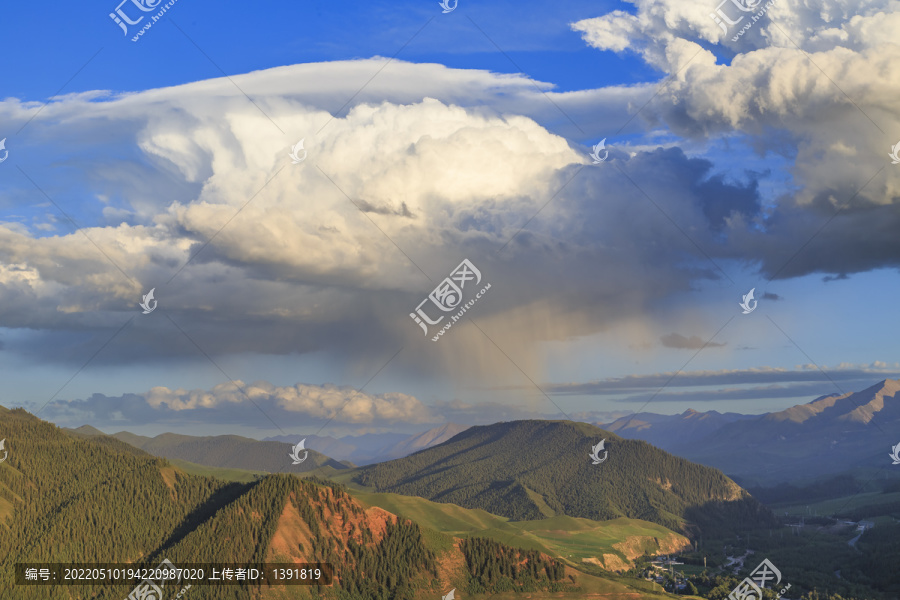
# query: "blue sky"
[738,171]
[239,39]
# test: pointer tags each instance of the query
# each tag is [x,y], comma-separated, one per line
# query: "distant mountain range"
[672,432]
[830,435]
[224,451]
[529,470]
[271,455]
[376,447]
[356,449]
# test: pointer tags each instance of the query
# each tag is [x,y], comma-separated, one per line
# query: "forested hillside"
[495,567]
[64,499]
[533,469]
[286,519]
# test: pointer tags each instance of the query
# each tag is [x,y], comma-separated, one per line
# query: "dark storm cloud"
[856,236]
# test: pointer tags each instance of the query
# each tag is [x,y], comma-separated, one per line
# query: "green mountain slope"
[611,544]
[499,468]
